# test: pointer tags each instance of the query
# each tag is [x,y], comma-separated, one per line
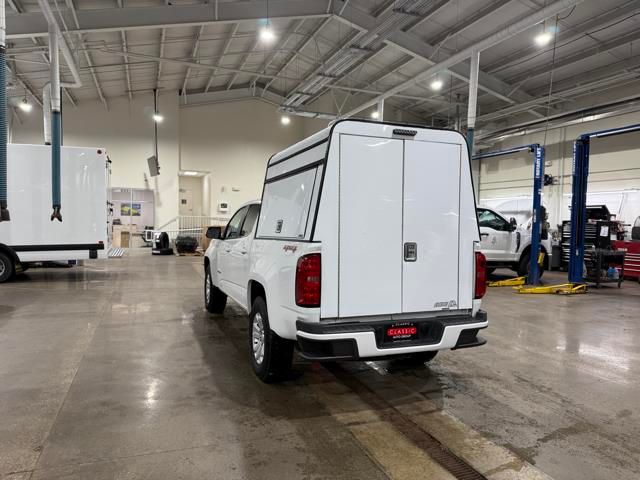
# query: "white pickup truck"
[364,245]
[506,244]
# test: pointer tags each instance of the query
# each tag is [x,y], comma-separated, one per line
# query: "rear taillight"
[481,275]
[308,281]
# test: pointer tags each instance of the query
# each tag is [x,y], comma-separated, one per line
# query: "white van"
[365,245]
[31,236]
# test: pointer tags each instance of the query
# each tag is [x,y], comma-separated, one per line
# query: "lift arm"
[536,224]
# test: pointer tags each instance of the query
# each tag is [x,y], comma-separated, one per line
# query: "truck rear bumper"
[357,340]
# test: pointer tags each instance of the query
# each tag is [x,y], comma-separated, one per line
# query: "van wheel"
[214,299]
[523,266]
[271,356]
[7,269]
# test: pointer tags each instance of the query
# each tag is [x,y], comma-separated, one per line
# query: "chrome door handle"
[484,234]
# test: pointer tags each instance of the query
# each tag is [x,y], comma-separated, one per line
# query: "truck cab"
[506,244]
[364,245]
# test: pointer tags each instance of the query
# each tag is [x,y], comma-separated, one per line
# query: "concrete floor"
[114,370]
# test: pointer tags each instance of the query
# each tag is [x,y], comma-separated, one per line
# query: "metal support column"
[536,223]
[381,110]
[473,99]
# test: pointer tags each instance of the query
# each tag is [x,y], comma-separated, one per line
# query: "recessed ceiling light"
[157,118]
[437,84]
[285,120]
[375,115]
[267,35]
[25,106]
[543,38]
[190,173]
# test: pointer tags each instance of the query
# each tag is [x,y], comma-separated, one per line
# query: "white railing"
[191,225]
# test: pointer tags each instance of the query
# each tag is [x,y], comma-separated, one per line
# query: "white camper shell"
[31,236]
[365,247]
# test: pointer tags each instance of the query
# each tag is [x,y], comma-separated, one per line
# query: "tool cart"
[604,266]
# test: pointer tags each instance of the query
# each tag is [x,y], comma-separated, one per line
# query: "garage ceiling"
[332,55]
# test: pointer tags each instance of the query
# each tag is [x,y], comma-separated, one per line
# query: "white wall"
[126,132]
[234,141]
[614,171]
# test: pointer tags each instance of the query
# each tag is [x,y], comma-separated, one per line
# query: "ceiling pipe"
[46,111]
[53,130]
[594,113]
[4,210]
[487,42]
[64,46]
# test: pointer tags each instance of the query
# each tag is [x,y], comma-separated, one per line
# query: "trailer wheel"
[271,356]
[214,300]
[7,268]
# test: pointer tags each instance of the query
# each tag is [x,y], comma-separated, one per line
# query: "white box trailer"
[365,246]
[31,236]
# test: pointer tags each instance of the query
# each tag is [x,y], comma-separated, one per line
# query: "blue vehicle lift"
[579,196]
[538,181]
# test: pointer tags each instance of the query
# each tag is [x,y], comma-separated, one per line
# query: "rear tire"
[523,266]
[271,355]
[214,300]
[7,268]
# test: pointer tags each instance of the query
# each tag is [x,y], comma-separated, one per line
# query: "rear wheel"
[214,300]
[7,268]
[271,356]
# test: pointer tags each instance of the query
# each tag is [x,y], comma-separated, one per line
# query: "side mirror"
[214,233]
[514,224]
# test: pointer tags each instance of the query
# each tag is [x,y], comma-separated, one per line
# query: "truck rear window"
[286,205]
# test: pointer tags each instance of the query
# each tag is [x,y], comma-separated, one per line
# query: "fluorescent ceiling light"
[375,115]
[157,118]
[190,173]
[543,38]
[437,84]
[25,106]
[267,35]
[285,120]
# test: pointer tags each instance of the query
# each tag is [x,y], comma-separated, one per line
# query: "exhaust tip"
[4,215]
[56,215]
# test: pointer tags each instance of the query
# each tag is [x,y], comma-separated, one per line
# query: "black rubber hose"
[4,211]
[55,165]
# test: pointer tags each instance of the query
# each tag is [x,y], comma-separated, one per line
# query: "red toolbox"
[632,257]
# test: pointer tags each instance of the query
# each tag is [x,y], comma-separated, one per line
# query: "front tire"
[271,356]
[523,266]
[214,300]
[7,268]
